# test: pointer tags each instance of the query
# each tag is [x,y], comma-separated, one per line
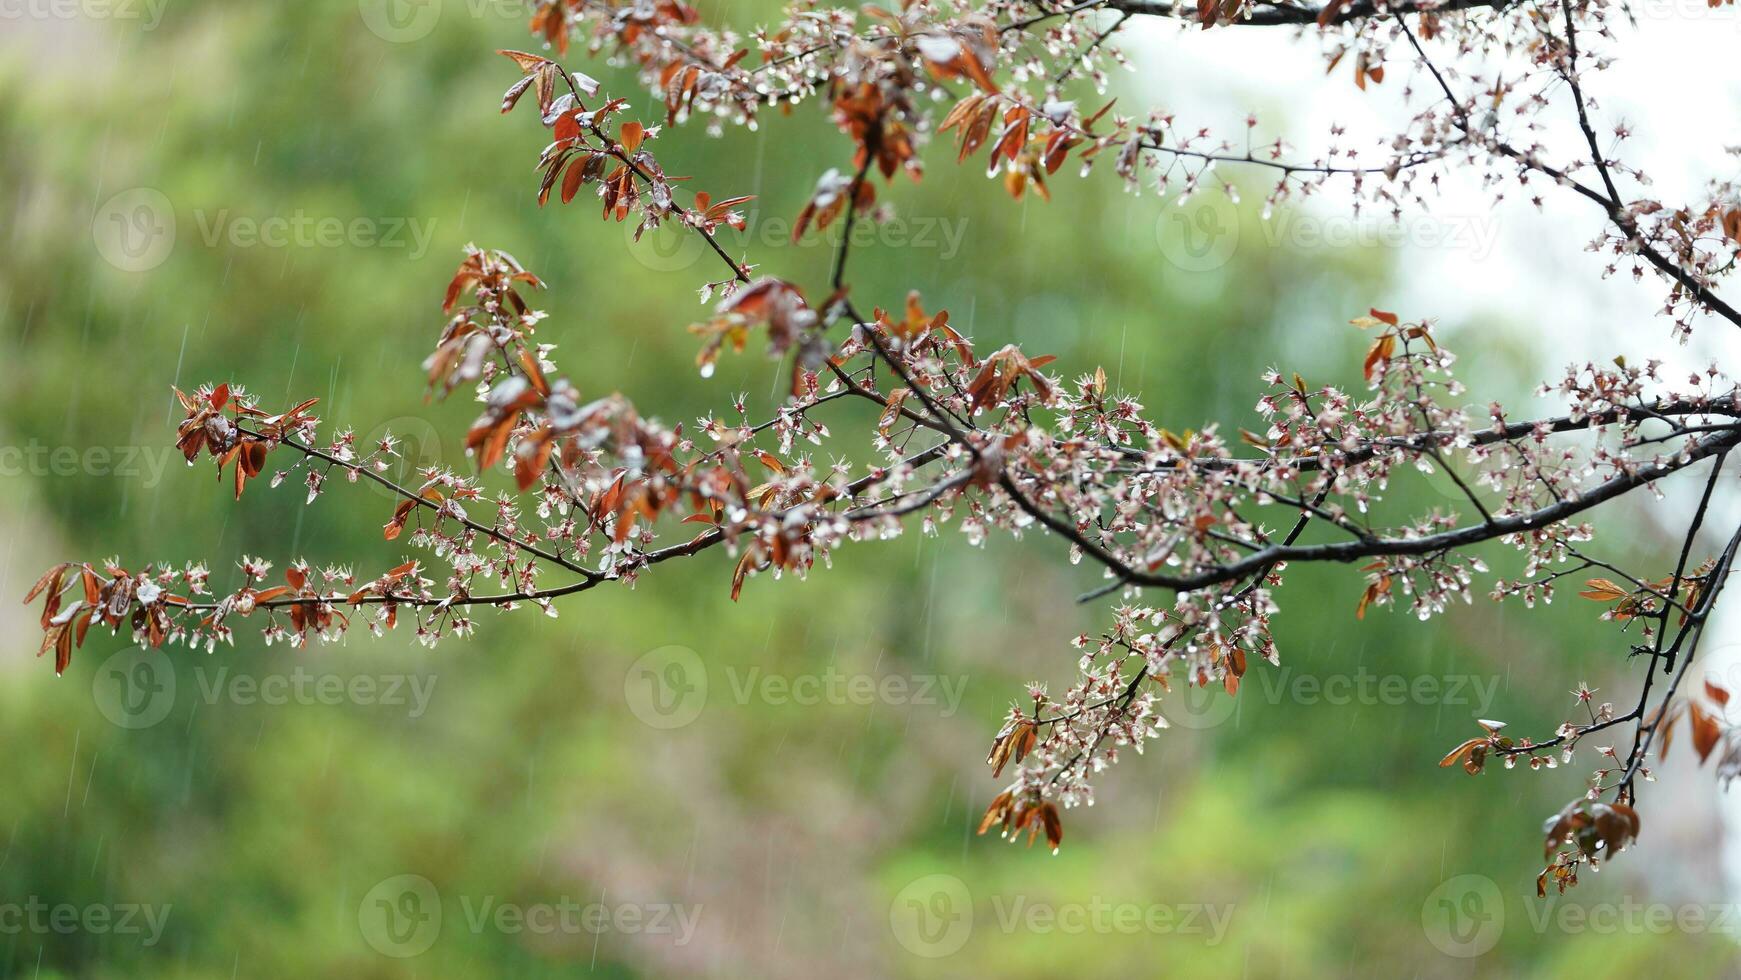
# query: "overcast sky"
[1477,268]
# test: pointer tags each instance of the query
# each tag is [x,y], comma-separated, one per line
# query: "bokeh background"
[662,782]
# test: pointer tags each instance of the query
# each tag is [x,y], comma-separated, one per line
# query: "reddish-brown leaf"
[1452,756]
[571,180]
[632,134]
[1706,731]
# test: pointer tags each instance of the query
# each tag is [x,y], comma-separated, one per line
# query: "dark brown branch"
[495,534]
[1346,551]
[1420,442]
[696,545]
[1269,14]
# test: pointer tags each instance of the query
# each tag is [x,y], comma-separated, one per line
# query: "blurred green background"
[381,829]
